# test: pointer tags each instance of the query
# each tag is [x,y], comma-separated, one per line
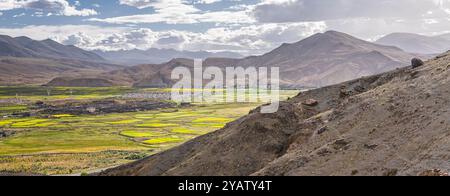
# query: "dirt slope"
[395,123]
[34,71]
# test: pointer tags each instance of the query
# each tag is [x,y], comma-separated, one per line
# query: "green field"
[71,144]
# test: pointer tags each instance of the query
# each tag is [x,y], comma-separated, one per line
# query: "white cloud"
[177,12]
[207,1]
[58,7]
[249,40]
[367,19]
[59,33]
[372,29]
[10,4]
[159,4]
[318,10]
[175,17]
[19,15]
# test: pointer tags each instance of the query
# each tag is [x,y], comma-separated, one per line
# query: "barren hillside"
[36,71]
[25,47]
[396,123]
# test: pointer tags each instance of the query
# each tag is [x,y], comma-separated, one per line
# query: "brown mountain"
[329,58]
[27,61]
[36,71]
[320,60]
[396,123]
[27,48]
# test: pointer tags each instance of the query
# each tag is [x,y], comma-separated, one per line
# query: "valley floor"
[36,140]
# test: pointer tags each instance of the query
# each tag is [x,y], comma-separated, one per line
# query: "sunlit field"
[61,144]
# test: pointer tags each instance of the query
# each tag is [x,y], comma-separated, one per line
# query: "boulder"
[311,102]
[322,130]
[416,62]
[434,172]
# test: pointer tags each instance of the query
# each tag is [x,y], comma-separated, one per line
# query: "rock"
[344,93]
[440,56]
[434,172]
[360,89]
[390,172]
[416,62]
[322,130]
[311,102]
[370,146]
[341,144]
[39,103]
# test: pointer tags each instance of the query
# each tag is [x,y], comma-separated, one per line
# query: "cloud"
[19,15]
[254,39]
[246,27]
[207,1]
[314,10]
[58,7]
[159,4]
[372,29]
[177,12]
[59,33]
[249,40]
[366,19]
[175,17]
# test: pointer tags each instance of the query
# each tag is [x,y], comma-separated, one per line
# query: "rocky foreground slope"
[396,123]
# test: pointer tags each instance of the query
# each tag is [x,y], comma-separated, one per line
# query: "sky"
[249,27]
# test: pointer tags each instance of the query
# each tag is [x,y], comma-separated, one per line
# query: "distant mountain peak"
[50,41]
[416,43]
[158,56]
[48,48]
[328,58]
[333,32]
[23,38]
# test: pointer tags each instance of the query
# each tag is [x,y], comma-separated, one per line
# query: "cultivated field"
[33,141]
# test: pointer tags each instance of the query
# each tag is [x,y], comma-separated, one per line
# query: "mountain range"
[27,61]
[415,43]
[25,47]
[157,56]
[320,60]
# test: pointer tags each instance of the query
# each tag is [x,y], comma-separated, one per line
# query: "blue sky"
[246,26]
